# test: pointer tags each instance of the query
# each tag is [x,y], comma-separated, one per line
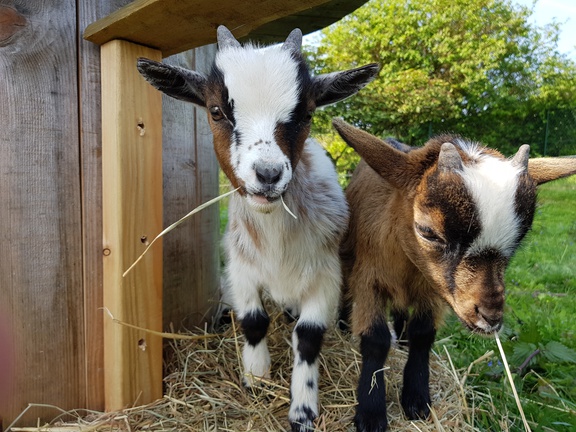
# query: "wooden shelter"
[93,163]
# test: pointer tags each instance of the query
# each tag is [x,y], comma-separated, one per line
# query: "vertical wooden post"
[132,216]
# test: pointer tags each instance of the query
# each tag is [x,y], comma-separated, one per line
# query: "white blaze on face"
[263,90]
[492,183]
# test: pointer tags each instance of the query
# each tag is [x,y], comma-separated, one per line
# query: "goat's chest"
[283,255]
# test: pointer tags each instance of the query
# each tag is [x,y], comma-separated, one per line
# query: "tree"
[475,67]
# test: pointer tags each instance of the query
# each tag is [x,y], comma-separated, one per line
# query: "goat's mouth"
[263,203]
[482,330]
[480,326]
[264,199]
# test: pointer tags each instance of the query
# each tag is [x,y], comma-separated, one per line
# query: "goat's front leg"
[318,311]
[369,321]
[254,321]
[371,409]
[415,392]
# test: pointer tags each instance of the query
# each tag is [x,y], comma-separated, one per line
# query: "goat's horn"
[293,41]
[520,159]
[226,39]
[449,159]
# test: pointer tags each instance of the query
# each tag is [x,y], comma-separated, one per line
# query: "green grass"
[540,314]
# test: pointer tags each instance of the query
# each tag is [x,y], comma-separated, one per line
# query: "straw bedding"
[203,390]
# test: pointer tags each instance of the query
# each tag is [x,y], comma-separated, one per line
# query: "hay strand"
[511,380]
[165,335]
[287,209]
[178,222]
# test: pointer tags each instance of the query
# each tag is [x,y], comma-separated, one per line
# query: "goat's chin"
[262,204]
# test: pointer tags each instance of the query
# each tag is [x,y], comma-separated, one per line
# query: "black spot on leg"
[255,325]
[310,337]
[310,384]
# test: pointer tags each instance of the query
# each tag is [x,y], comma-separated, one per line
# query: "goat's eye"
[216,113]
[308,117]
[428,233]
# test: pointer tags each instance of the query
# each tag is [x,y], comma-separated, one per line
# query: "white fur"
[493,183]
[256,362]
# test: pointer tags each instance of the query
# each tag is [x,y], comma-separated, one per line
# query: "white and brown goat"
[429,227]
[260,103]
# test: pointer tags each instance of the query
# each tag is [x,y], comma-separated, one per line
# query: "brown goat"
[430,226]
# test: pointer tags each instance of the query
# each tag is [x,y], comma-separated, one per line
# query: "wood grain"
[191,253]
[132,216]
[40,224]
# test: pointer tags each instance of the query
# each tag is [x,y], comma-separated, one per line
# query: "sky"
[564,11]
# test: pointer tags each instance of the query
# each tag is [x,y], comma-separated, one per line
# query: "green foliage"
[475,67]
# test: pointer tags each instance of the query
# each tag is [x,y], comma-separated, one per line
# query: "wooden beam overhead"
[173,26]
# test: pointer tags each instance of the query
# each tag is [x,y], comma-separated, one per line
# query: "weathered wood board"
[191,252]
[41,290]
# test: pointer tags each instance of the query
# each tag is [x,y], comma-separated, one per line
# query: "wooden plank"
[91,172]
[191,253]
[173,26]
[132,216]
[40,214]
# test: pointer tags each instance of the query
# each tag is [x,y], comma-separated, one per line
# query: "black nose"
[267,175]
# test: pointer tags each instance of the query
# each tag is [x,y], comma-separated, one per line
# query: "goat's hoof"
[417,406]
[371,422]
[302,419]
[302,426]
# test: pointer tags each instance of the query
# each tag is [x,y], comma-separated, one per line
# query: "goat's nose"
[268,175]
[492,317]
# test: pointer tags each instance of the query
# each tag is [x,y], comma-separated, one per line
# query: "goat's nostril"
[268,175]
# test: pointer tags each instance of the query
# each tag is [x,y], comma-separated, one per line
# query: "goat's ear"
[543,170]
[293,41]
[336,86]
[175,81]
[389,162]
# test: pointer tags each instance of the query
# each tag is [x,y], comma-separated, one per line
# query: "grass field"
[540,327]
